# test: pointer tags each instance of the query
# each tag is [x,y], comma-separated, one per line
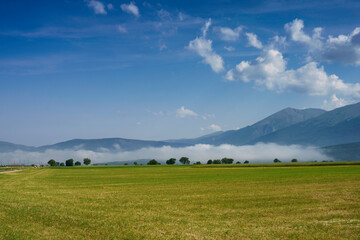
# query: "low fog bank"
[258,153]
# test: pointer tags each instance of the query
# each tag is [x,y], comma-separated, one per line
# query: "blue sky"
[169,69]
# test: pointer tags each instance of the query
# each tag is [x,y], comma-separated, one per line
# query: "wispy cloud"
[122,29]
[130,8]
[203,47]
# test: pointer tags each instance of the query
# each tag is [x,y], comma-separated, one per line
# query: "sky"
[169,69]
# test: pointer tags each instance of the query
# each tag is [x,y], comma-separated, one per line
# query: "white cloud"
[343,48]
[130,8]
[335,102]
[269,70]
[183,112]
[215,127]
[122,29]
[228,34]
[202,152]
[164,15]
[203,47]
[253,40]
[295,28]
[97,6]
[229,48]
[159,113]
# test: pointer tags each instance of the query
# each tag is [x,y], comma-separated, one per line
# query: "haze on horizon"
[165,70]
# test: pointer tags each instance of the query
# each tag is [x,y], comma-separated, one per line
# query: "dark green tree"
[153,162]
[246,162]
[77,163]
[277,160]
[210,161]
[294,160]
[197,163]
[238,162]
[184,160]
[52,162]
[227,161]
[69,162]
[87,161]
[135,163]
[62,164]
[171,161]
[217,161]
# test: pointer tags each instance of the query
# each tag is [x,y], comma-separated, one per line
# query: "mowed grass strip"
[181,202]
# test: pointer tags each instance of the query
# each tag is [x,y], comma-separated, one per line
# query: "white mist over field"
[260,152]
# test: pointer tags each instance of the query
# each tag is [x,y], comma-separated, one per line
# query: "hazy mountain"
[107,144]
[275,122]
[344,152]
[10,147]
[339,126]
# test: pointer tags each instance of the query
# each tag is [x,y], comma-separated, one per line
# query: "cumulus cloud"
[228,34]
[295,29]
[202,152]
[182,112]
[130,8]
[335,102]
[203,47]
[253,40]
[343,48]
[97,6]
[269,70]
[215,127]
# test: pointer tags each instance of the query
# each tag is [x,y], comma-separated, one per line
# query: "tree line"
[69,162]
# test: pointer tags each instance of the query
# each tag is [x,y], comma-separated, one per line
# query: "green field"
[181,202]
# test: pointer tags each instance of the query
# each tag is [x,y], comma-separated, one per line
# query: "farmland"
[181,202]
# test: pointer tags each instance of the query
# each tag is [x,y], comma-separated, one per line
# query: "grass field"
[181,202]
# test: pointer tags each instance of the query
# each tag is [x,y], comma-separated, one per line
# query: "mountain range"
[315,127]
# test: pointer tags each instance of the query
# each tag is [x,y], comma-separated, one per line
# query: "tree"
[294,160]
[52,162]
[227,161]
[125,164]
[171,161]
[62,164]
[277,160]
[77,163]
[184,160]
[153,162]
[209,161]
[238,162]
[246,162]
[197,163]
[217,161]
[87,161]
[135,163]
[69,162]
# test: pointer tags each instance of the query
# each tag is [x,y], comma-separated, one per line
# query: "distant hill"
[10,147]
[339,126]
[273,123]
[107,144]
[344,152]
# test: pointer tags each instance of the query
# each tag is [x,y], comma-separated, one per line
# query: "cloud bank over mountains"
[201,152]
